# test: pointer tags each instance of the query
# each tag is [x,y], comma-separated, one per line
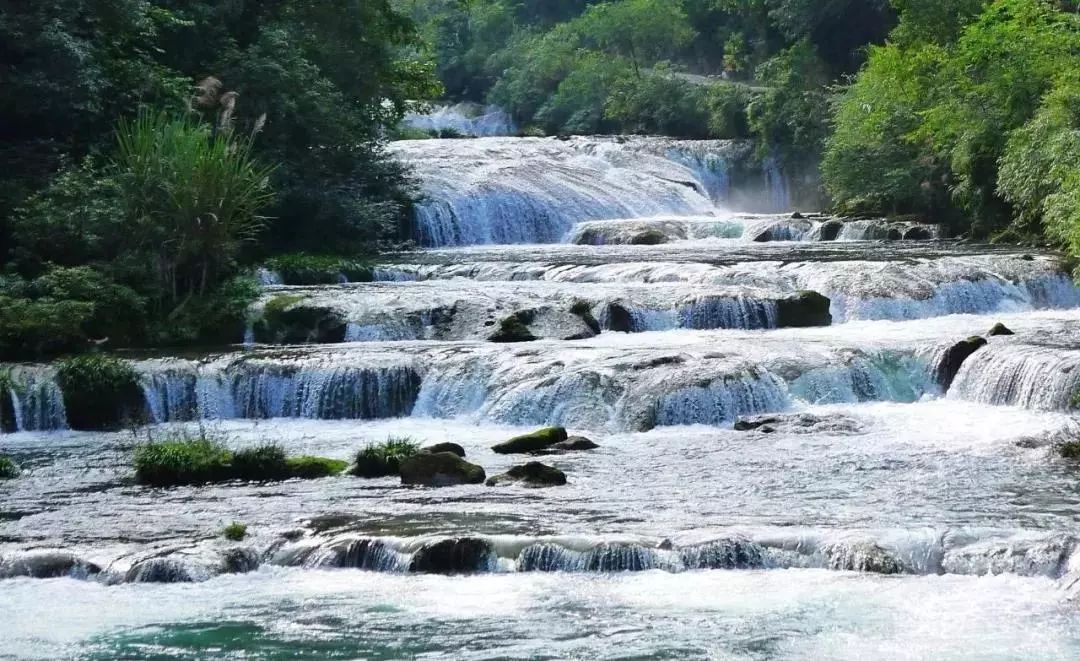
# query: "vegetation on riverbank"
[154,151]
[384,459]
[8,468]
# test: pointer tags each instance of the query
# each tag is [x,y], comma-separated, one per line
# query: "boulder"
[649,238]
[46,564]
[619,318]
[572,444]
[804,310]
[1000,329]
[453,556]
[752,424]
[443,469]
[288,321]
[865,556]
[513,329]
[953,359]
[452,448]
[535,442]
[533,474]
[830,231]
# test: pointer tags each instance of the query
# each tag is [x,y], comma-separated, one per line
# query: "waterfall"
[777,185]
[36,401]
[723,400]
[1012,374]
[464,119]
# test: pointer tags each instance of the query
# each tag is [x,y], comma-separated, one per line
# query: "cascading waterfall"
[1007,373]
[35,399]
[464,119]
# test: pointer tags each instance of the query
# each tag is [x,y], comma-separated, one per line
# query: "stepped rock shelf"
[803,426]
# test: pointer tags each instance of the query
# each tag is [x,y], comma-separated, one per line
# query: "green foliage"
[383,459]
[305,269]
[8,468]
[182,459]
[30,328]
[235,532]
[100,392]
[1070,450]
[790,118]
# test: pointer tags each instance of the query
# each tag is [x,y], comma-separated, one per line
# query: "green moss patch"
[235,532]
[8,468]
[101,392]
[304,269]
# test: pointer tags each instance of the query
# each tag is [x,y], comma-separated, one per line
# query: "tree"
[642,31]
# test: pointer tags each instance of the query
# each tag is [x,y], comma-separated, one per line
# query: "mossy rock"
[101,392]
[1070,450]
[443,469]
[534,475]
[953,359]
[8,468]
[572,444]
[620,319]
[537,441]
[1000,330]
[286,320]
[583,309]
[313,468]
[452,448]
[514,329]
[806,309]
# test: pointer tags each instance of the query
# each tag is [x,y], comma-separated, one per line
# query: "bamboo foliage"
[194,196]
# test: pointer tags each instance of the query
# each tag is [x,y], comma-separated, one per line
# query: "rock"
[649,238]
[444,469]
[861,557]
[918,234]
[287,322]
[619,318]
[512,330]
[805,310]
[954,358]
[160,570]
[534,442]
[453,556]
[46,564]
[830,231]
[573,444]
[751,424]
[583,310]
[1000,329]
[533,474]
[452,448]
[797,216]
[239,560]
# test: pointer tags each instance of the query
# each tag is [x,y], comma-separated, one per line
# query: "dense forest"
[153,151]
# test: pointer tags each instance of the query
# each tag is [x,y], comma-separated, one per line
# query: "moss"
[534,442]
[514,329]
[101,392]
[8,468]
[313,468]
[1070,450]
[383,459]
[262,463]
[304,269]
[235,532]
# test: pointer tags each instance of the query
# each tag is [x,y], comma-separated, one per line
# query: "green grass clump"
[235,532]
[183,460]
[8,468]
[204,459]
[384,459]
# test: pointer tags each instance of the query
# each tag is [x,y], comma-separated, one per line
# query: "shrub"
[31,328]
[182,460]
[101,392]
[304,269]
[1070,450]
[8,468]
[235,532]
[383,459]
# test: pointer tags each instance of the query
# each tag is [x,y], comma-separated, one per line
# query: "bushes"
[304,269]
[100,392]
[383,459]
[204,459]
[235,532]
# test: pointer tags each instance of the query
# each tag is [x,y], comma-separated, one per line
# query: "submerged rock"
[649,238]
[46,564]
[162,570]
[537,441]
[999,330]
[953,359]
[533,474]
[619,318]
[734,553]
[443,469]
[572,444]
[452,448]
[454,556]
[513,329]
[861,557]
[752,424]
[805,310]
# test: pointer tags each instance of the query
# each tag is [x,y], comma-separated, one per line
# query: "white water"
[872,516]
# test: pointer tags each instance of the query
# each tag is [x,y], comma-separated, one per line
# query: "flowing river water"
[883,511]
